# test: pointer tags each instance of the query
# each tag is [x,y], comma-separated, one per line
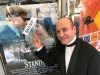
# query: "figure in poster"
[11,34]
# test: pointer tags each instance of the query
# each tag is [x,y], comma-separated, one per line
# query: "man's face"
[65,32]
[19,22]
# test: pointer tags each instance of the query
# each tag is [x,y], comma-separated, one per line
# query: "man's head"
[17,15]
[65,30]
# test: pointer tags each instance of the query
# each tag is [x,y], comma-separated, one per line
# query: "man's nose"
[61,34]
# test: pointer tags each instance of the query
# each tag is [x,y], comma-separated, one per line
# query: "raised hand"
[36,41]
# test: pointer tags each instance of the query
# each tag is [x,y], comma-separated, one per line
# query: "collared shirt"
[68,53]
[14,30]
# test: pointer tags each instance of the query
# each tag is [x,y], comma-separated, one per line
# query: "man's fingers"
[35,38]
[36,41]
[35,35]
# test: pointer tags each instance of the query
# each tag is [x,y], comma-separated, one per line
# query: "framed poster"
[18,56]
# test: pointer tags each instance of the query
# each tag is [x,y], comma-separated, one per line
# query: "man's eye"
[64,30]
[57,32]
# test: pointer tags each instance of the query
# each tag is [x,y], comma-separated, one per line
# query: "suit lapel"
[73,59]
[62,61]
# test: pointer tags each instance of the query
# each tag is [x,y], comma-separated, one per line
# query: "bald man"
[73,55]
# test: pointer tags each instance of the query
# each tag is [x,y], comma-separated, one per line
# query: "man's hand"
[36,41]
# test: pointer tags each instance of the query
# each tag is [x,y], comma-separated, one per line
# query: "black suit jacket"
[85,59]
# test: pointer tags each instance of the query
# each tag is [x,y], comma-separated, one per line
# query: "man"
[17,17]
[79,58]
[10,34]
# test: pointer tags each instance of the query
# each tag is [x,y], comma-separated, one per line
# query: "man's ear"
[74,28]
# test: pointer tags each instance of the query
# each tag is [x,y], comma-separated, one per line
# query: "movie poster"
[18,54]
[90,22]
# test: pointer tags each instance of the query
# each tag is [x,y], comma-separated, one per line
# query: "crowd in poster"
[18,52]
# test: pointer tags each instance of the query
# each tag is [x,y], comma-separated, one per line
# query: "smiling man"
[73,55]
